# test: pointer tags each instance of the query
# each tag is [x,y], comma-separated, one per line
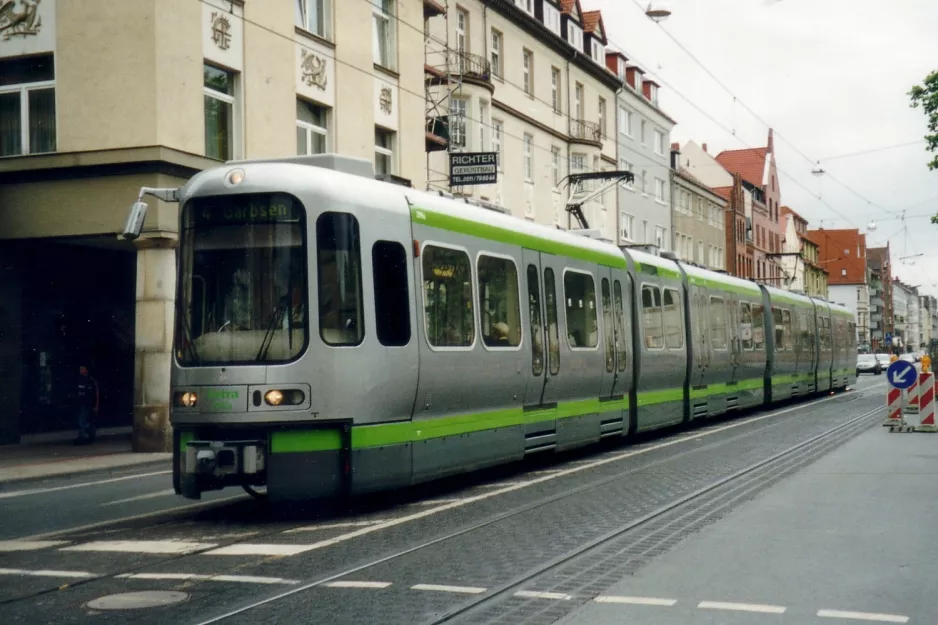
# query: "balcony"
[586,132]
[449,65]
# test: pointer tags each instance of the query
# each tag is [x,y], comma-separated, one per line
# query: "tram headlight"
[286,397]
[234,177]
[274,398]
[187,399]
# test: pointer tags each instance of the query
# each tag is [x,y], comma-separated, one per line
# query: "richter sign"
[467,168]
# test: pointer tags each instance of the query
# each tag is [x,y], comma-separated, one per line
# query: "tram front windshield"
[242,280]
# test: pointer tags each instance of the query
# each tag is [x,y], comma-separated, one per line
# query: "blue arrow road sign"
[901,374]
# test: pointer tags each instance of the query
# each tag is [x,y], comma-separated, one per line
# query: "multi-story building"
[757,168]
[799,257]
[815,276]
[913,321]
[738,248]
[213,80]
[901,295]
[843,254]
[643,139]
[527,80]
[926,306]
[698,218]
[881,313]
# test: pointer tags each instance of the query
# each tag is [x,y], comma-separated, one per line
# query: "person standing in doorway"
[88,404]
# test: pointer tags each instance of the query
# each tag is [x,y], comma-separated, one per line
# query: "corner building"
[98,99]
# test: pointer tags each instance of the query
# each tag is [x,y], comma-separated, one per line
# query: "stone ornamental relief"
[221,31]
[19,18]
[314,70]
[384,100]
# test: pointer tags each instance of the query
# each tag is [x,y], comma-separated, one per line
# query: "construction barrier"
[894,416]
[926,382]
[911,396]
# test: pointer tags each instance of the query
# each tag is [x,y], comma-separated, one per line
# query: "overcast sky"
[831,77]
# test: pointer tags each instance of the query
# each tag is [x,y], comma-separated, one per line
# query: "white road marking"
[534,594]
[500,484]
[433,502]
[350,584]
[250,549]
[161,493]
[28,545]
[742,607]
[141,546]
[634,600]
[242,579]
[81,574]
[467,590]
[864,616]
[53,489]
[329,526]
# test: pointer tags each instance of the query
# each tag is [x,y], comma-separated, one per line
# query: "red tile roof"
[837,251]
[785,210]
[723,192]
[566,6]
[591,20]
[748,163]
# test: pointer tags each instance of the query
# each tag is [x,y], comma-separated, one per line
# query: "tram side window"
[810,331]
[651,317]
[745,325]
[537,327]
[786,329]
[553,332]
[499,304]
[341,320]
[852,336]
[580,293]
[717,323]
[620,324]
[825,332]
[779,330]
[447,294]
[758,326]
[673,319]
[392,299]
[607,327]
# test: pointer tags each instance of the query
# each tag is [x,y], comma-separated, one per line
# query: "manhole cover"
[132,600]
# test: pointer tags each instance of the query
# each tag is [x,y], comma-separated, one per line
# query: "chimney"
[771,146]
[675,156]
[704,146]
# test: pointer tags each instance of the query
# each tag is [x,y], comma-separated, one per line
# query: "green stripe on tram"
[722,389]
[305,440]
[511,237]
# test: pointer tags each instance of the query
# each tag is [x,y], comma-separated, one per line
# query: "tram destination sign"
[467,168]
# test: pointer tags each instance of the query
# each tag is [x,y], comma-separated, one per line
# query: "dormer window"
[526,5]
[621,71]
[575,36]
[598,51]
[552,18]
[653,93]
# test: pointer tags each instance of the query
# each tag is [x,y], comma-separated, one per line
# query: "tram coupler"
[212,465]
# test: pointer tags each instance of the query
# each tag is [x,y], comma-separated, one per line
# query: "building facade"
[212,81]
[798,259]
[527,80]
[643,138]
[881,323]
[901,294]
[698,216]
[843,254]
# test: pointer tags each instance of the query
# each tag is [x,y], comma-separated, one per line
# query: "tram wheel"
[260,496]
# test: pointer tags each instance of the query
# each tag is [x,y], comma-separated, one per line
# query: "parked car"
[908,358]
[884,359]
[868,363]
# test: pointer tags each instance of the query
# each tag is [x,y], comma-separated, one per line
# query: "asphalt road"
[413,556]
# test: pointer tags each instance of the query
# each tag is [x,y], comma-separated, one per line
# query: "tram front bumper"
[212,465]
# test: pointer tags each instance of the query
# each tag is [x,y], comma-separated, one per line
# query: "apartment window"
[527,5]
[527,66]
[625,122]
[220,123]
[644,183]
[552,18]
[555,89]
[642,134]
[555,165]
[653,93]
[313,15]
[626,223]
[660,239]
[496,53]
[624,165]
[384,152]
[659,142]
[578,102]
[497,141]
[483,115]
[659,190]
[457,130]
[577,163]
[575,35]
[602,116]
[382,18]
[597,49]
[528,158]
[27,105]
[311,128]
[462,25]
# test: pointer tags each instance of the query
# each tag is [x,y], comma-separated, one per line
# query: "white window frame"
[625,121]
[555,80]
[525,5]
[555,172]
[597,50]
[483,114]
[661,237]
[496,53]
[575,35]
[312,129]
[552,18]
[578,102]
[527,71]
[659,142]
[459,123]
[462,31]
[602,116]
[235,103]
[497,131]
[389,152]
[624,165]
[659,191]
[378,14]
[302,14]
[528,157]
[644,183]
[23,89]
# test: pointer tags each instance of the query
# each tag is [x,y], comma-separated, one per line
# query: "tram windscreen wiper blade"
[276,316]
[189,344]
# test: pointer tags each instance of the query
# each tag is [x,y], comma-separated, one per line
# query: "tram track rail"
[503,590]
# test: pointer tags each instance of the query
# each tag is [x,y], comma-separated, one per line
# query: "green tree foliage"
[926,95]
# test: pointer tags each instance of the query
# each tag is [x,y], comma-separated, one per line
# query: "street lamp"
[657,11]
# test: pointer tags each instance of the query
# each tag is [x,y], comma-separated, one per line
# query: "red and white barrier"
[926,382]
[894,403]
[911,396]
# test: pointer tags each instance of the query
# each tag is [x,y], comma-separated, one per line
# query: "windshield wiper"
[276,318]
[189,344]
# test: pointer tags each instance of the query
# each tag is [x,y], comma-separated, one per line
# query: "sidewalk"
[26,462]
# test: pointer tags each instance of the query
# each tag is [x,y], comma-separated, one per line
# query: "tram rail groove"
[508,588]
[560,496]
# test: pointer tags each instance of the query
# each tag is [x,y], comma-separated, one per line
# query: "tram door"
[541,289]
[735,340]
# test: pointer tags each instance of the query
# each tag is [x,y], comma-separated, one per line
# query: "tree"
[926,95]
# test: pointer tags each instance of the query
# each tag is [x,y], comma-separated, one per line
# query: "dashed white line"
[239,579]
[329,526]
[141,546]
[353,584]
[433,502]
[501,484]
[535,594]
[864,616]
[47,573]
[742,607]
[7,546]
[467,590]
[161,493]
[635,600]
[249,549]
[53,489]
